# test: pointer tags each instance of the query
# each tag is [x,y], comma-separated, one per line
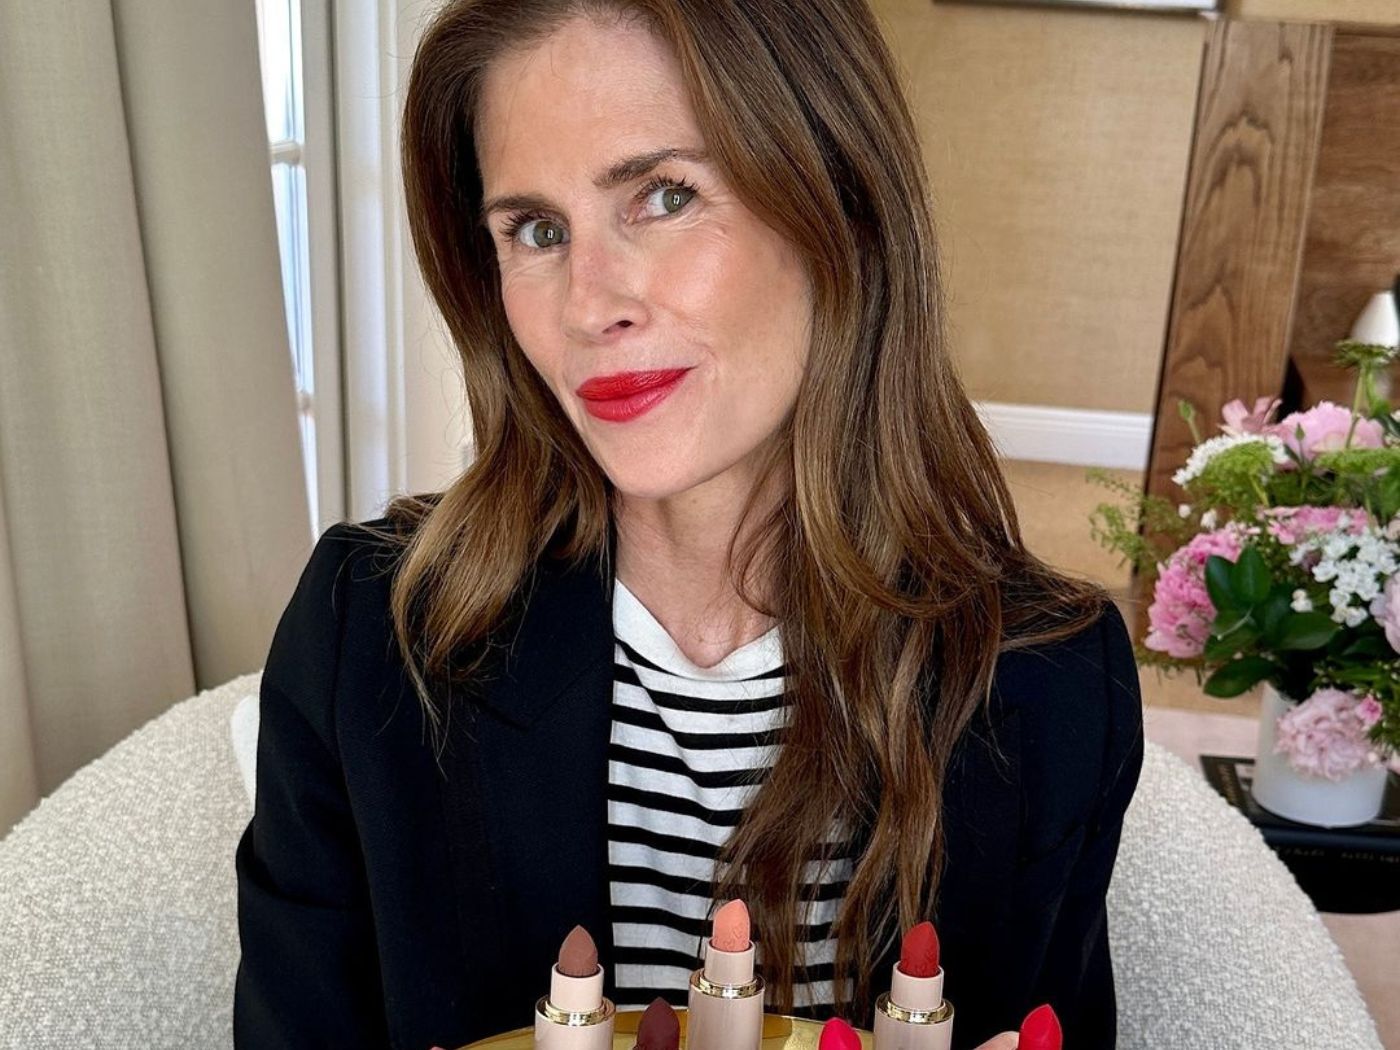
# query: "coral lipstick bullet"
[913,1015]
[575,1015]
[726,996]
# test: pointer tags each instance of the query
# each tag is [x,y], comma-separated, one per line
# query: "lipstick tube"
[725,1004]
[913,1015]
[575,1015]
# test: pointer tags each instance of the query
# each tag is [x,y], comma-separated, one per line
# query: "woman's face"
[659,268]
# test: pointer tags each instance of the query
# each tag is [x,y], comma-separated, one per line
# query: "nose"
[605,278]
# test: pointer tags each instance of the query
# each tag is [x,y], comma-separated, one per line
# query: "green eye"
[543,234]
[550,236]
[677,195]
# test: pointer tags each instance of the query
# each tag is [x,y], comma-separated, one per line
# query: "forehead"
[590,92]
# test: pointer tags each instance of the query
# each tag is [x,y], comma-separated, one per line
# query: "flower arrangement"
[1284,566]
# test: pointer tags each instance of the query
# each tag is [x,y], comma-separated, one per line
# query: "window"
[296,98]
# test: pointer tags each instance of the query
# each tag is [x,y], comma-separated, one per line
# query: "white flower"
[1301,602]
[1184,509]
[1212,447]
[1357,565]
[1208,519]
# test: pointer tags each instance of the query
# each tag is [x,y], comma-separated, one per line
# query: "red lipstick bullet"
[1041,1030]
[838,1035]
[913,1015]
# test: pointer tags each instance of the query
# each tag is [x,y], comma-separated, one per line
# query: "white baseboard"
[1086,437]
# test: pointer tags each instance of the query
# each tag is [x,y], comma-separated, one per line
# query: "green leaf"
[1226,645]
[1218,585]
[1249,577]
[1235,677]
[1274,613]
[1368,647]
[1309,630]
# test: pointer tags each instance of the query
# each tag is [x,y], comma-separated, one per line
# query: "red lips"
[626,384]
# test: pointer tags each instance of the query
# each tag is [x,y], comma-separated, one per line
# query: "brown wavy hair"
[895,558]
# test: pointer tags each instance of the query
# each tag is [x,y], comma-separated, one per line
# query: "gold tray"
[779,1033]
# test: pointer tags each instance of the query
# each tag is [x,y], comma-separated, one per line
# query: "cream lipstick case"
[913,1015]
[725,1006]
[575,1015]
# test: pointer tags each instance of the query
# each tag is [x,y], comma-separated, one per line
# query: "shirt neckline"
[640,629]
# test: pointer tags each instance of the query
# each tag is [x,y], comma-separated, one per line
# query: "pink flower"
[1240,420]
[1369,710]
[1325,427]
[1326,735]
[1288,525]
[1181,611]
[1385,607]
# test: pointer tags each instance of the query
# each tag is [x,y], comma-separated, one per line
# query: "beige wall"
[1057,143]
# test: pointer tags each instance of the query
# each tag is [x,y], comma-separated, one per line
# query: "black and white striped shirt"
[690,746]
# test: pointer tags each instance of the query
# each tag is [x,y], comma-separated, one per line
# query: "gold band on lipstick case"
[899,1013]
[568,1017]
[726,991]
[779,1033]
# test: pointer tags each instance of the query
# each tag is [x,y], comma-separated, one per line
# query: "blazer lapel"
[527,791]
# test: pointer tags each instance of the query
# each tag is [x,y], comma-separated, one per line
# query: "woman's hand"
[1003,1041]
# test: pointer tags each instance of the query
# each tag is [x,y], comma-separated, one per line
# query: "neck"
[672,554]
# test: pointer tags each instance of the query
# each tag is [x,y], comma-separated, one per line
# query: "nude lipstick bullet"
[575,1015]
[660,1028]
[913,1015]
[726,996]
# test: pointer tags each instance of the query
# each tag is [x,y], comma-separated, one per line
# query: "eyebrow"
[624,171]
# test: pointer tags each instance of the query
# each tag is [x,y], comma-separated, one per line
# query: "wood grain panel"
[1352,248]
[1258,125]
[1338,12]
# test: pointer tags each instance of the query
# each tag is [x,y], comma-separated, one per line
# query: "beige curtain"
[153,513]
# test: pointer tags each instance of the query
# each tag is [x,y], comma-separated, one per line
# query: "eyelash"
[516,220]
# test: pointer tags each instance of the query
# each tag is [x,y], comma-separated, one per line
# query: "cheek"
[724,280]
[527,313]
[745,296]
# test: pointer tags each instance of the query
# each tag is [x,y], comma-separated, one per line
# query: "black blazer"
[384,901]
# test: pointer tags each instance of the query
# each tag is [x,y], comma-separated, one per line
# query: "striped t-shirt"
[690,746]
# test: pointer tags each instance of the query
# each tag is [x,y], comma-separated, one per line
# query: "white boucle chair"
[118,919]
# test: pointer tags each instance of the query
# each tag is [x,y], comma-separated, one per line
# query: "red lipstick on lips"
[626,395]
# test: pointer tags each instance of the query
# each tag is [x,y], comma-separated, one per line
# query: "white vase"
[1281,789]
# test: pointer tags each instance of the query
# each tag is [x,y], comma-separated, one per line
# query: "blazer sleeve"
[308,975]
[1076,977]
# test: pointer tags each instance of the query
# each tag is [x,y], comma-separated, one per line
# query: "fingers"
[1004,1041]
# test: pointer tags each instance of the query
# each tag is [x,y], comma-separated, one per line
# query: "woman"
[767,629]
